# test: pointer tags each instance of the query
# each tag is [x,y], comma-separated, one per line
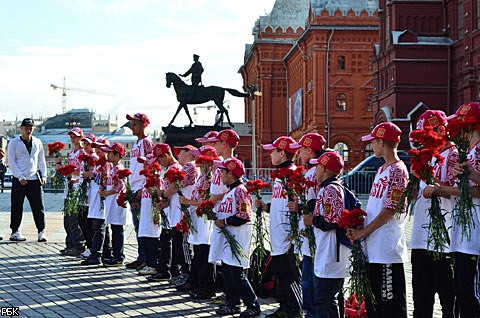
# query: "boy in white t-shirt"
[141,148]
[384,232]
[235,216]
[465,250]
[331,259]
[433,274]
[310,146]
[284,262]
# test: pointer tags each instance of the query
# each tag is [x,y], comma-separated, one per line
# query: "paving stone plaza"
[35,278]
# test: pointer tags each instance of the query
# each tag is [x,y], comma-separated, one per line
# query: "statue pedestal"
[181,136]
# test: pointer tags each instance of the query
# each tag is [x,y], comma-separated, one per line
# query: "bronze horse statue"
[202,95]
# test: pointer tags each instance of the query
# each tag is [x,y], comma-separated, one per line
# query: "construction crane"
[65,89]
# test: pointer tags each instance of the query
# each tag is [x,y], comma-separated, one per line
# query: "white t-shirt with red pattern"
[141,148]
[421,217]
[386,245]
[115,214]
[237,202]
[330,205]
[463,244]
[202,226]
[216,242]
[173,211]
[73,159]
[279,222]
[311,194]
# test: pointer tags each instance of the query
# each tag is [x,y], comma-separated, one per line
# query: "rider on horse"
[196,70]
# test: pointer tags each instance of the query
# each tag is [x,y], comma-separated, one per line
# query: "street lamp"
[254,92]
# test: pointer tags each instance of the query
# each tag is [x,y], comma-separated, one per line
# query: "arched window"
[341,102]
[342,149]
[368,150]
[341,63]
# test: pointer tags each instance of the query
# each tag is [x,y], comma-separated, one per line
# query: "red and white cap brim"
[219,164]
[295,145]
[368,137]
[269,147]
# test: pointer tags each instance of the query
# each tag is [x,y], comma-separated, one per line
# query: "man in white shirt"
[26,159]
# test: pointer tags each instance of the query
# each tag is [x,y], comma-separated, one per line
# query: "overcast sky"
[120,47]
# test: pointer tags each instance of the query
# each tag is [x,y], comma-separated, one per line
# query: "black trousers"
[238,287]
[202,273]
[464,274]
[289,281]
[85,225]
[151,246]
[101,244]
[175,253]
[33,192]
[389,289]
[430,276]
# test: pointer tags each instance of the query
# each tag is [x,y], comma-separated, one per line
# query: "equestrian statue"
[198,94]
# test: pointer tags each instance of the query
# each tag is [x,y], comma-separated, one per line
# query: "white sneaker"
[86,254]
[42,237]
[17,237]
[147,271]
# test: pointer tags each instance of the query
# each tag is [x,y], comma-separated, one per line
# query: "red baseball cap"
[227,135]
[471,109]
[100,142]
[77,131]
[176,149]
[314,141]
[282,143]
[386,131]
[116,146]
[161,149]
[207,136]
[231,164]
[330,160]
[431,118]
[140,117]
[90,138]
[205,151]
[150,158]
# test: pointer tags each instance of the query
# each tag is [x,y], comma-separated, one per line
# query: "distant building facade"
[311,60]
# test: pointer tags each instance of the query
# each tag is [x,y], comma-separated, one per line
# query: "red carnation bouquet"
[460,131]
[101,167]
[124,195]
[423,161]
[255,187]
[354,308]
[175,176]
[359,281]
[71,201]
[54,150]
[294,186]
[152,183]
[88,162]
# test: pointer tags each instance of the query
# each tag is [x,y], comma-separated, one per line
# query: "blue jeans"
[326,293]
[117,242]
[307,287]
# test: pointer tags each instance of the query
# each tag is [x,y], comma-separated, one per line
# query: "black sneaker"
[227,311]
[133,265]
[251,312]
[159,277]
[113,263]
[200,295]
[91,261]
[185,287]
[74,251]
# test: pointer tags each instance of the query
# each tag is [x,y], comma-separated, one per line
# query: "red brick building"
[428,57]
[288,63]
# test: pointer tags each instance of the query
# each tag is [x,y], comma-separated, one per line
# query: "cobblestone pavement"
[35,278]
